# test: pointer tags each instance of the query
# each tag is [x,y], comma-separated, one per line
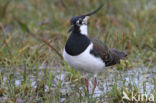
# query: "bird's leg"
[87,85]
[94,83]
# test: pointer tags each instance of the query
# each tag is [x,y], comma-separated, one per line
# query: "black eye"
[80,21]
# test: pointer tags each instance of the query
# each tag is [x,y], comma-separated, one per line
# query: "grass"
[30,71]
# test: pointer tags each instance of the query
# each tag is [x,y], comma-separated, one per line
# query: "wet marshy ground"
[33,72]
[67,83]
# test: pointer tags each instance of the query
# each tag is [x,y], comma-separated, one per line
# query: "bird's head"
[79,23]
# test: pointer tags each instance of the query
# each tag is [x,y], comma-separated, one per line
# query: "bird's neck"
[83,30]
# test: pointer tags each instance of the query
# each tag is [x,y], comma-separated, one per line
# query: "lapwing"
[88,54]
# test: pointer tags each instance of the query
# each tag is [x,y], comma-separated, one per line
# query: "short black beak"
[71,28]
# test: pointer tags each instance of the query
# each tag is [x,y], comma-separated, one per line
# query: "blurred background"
[32,71]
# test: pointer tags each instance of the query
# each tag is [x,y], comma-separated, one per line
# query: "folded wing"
[110,56]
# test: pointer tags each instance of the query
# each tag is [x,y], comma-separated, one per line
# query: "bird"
[86,53]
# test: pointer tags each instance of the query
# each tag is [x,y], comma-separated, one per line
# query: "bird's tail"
[120,54]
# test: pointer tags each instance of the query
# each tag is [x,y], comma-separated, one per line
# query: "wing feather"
[110,56]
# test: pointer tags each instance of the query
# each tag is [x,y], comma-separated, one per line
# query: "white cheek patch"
[83,29]
[83,26]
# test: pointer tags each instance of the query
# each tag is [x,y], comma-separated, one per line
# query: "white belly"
[85,61]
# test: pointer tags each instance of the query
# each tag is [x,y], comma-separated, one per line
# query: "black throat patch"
[76,43]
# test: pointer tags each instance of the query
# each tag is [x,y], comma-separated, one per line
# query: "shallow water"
[142,78]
